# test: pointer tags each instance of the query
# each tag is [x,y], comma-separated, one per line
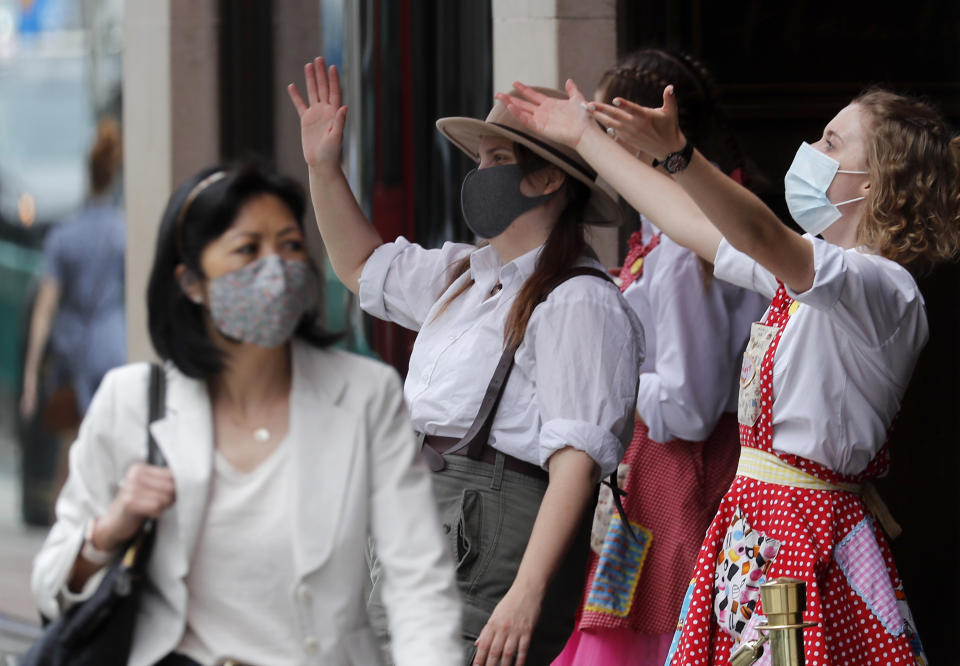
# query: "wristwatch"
[677,161]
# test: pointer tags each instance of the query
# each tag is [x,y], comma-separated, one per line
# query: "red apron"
[672,493]
[764,530]
[673,490]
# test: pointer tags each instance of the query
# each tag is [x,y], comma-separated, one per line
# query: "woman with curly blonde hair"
[825,369]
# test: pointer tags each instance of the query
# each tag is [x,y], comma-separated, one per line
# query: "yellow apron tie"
[767,467]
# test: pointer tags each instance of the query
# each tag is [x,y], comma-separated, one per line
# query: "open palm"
[561,120]
[321,117]
[639,128]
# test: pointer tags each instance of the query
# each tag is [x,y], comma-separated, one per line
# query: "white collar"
[487,270]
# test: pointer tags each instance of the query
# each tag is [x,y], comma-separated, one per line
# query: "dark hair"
[641,76]
[177,325]
[564,246]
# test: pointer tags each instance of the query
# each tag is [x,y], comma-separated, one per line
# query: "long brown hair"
[912,212]
[565,244]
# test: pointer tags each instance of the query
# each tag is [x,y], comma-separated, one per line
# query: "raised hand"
[321,117]
[561,120]
[638,128]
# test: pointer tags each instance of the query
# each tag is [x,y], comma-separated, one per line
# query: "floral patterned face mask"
[262,303]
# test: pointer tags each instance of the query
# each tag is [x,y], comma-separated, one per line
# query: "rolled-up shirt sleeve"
[588,345]
[687,389]
[871,298]
[743,270]
[401,281]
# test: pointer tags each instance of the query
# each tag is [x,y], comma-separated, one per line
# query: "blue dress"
[84,255]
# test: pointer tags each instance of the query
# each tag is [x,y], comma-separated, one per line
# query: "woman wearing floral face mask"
[824,370]
[515,479]
[282,457]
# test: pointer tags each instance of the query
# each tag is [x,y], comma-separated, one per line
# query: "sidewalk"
[18,543]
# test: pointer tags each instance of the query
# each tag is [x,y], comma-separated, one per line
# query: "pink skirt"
[614,647]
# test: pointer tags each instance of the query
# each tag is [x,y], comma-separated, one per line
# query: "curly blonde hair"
[912,214]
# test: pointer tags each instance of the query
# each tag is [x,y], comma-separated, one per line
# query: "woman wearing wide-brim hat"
[514,505]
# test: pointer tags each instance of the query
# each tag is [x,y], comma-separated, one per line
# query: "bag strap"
[140,547]
[479,432]
[157,409]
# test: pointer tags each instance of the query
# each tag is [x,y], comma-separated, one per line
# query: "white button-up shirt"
[846,355]
[696,330]
[575,379]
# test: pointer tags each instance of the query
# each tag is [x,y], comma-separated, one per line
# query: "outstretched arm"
[651,192]
[347,234]
[696,206]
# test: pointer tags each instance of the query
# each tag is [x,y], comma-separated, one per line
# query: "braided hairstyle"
[641,76]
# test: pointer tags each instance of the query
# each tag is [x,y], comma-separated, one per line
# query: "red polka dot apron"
[788,516]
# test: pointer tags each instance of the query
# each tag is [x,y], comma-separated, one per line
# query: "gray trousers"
[488,514]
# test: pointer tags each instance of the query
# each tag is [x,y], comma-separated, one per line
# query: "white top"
[575,377]
[243,607]
[696,330]
[845,356]
[354,474]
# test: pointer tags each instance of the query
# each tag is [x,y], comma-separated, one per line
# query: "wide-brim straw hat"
[465,133]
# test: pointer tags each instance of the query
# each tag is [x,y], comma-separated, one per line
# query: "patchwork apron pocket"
[862,563]
[742,565]
[748,403]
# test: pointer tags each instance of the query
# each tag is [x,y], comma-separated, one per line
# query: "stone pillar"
[171,127]
[297,39]
[545,42]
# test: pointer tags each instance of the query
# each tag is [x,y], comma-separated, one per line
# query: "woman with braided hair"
[824,371]
[685,443]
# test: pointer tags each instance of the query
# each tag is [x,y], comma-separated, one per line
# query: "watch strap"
[686,153]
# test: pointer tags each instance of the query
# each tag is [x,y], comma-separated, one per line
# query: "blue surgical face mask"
[491,199]
[806,186]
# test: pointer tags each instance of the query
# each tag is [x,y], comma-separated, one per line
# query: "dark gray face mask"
[491,199]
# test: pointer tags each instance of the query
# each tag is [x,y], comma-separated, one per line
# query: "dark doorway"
[784,69]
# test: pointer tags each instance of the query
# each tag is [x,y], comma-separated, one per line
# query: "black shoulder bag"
[99,631]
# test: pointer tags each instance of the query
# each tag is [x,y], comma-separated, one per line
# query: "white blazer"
[357,475]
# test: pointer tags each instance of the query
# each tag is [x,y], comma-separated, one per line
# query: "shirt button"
[311,644]
[304,594]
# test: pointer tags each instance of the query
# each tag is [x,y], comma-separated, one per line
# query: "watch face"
[675,162]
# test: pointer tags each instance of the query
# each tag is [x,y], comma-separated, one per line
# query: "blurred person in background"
[79,307]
